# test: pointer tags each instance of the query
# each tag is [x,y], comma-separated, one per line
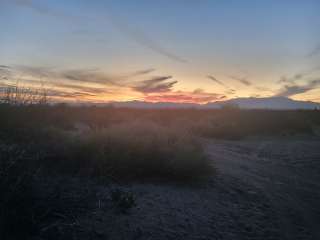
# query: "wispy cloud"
[216,80]
[242,80]
[196,96]
[37,72]
[298,76]
[154,85]
[88,76]
[66,86]
[284,80]
[87,82]
[74,75]
[293,89]
[143,39]
[88,85]
[79,75]
[82,88]
[54,93]
[134,34]
[143,72]
[228,90]
[69,95]
[43,9]
[56,81]
[292,79]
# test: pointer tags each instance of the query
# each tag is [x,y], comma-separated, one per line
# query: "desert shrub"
[24,122]
[138,143]
[123,200]
[131,150]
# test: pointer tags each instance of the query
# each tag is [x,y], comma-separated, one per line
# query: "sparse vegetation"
[133,150]
[114,143]
[22,96]
[123,200]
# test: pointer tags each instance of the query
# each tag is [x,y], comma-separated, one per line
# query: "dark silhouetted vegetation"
[38,141]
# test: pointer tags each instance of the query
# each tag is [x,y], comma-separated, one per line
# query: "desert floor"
[261,189]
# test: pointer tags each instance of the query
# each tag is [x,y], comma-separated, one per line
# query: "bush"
[134,150]
[123,200]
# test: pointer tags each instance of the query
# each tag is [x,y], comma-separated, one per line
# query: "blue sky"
[267,43]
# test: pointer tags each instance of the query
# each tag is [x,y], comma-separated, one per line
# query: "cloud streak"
[134,34]
[86,89]
[88,82]
[298,76]
[143,39]
[293,89]
[91,83]
[228,91]
[242,80]
[70,95]
[196,96]
[154,85]
[58,81]
[88,76]
[52,93]
[41,9]
[80,75]
[142,72]
[216,80]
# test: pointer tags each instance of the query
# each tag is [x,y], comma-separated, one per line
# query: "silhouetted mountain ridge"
[267,103]
[278,103]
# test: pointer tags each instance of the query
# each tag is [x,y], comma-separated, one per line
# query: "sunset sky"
[170,50]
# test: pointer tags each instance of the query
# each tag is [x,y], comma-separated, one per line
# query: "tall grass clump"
[130,150]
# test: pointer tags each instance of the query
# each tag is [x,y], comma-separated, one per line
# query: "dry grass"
[124,151]
[121,144]
[130,150]
[18,95]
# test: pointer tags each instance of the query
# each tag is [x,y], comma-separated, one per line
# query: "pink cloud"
[197,96]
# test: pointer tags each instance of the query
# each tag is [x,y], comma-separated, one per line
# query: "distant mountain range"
[267,103]
[278,103]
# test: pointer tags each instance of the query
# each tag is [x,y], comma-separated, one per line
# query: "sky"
[171,50]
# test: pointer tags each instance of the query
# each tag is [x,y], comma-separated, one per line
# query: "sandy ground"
[286,172]
[262,189]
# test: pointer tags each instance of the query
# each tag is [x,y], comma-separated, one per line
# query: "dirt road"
[286,172]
